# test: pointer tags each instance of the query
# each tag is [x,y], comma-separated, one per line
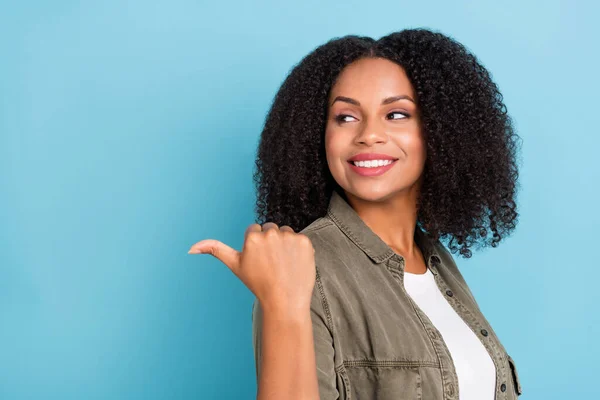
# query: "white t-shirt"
[474,366]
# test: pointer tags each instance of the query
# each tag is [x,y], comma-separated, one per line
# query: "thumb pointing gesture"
[227,255]
[276,264]
[219,250]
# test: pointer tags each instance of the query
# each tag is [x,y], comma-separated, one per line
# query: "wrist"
[291,311]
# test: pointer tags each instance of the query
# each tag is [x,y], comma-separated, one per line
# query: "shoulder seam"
[318,227]
[324,300]
[340,369]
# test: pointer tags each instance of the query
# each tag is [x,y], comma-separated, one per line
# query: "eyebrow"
[384,102]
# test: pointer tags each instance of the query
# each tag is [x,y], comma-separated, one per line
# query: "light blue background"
[128,131]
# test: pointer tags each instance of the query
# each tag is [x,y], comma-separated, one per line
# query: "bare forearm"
[288,369]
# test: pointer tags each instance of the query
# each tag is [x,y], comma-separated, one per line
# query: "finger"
[252,228]
[269,225]
[286,228]
[230,257]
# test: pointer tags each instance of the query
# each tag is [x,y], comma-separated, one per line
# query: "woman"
[373,151]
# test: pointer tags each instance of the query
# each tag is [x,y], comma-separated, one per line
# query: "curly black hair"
[470,175]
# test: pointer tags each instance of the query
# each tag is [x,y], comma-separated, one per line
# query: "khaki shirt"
[371,339]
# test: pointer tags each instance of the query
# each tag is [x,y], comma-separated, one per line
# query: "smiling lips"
[371,164]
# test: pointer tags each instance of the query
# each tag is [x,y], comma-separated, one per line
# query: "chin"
[372,195]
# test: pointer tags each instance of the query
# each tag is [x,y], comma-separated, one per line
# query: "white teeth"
[372,163]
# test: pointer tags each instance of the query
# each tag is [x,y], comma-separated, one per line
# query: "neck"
[393,220]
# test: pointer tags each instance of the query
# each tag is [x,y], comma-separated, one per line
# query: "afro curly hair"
[470,174]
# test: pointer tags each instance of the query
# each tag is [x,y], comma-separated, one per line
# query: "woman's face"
[372,110]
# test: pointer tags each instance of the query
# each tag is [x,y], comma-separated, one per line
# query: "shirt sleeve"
[323,343]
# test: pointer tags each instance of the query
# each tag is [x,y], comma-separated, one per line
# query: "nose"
[370,134]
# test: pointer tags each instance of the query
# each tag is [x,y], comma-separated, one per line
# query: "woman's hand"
[276,264]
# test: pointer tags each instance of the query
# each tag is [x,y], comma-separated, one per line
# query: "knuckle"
[252,228]
[287,234]
[253,237]
[271,233]
[305,240]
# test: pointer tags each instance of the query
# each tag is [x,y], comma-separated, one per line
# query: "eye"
[404,115]
[341,118]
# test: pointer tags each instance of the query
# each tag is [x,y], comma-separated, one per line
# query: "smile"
[372,167]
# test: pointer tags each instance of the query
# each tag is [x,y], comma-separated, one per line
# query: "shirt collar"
[346,218]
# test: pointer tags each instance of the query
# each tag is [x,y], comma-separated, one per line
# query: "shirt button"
[484,332]
[450,390]
[503,387]
[449,293]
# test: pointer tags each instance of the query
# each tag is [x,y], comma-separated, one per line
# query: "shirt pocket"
[384,382]
[515,376]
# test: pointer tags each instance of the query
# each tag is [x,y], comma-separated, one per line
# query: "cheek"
[413,145]
[419,149]
[334,147]
[336,151]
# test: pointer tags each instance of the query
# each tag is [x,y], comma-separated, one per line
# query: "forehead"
[372,77]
